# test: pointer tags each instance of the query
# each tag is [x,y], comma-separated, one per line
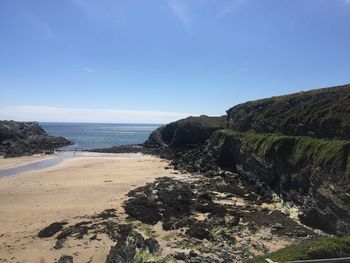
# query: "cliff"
[322,113]
[312,173]
[297,146]
[25,138]
[260,176]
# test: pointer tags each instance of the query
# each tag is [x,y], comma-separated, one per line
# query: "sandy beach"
[73,190]
[6,163]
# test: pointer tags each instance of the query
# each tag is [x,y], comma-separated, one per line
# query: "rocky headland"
[26,138]
[271,173]
[295,146]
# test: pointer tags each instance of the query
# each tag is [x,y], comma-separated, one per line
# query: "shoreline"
[75,189]
[12,162]
[16,165]
[95,193]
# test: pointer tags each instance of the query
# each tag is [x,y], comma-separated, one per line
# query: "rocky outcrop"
[296,146]
[312,173]
[26,138]
[322,113]
[189,131]
[132,247]
[203,213]
[162,200]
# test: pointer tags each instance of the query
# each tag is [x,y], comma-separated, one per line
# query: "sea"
[87,136]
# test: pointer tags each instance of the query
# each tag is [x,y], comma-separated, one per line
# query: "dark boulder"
[65,259]
[161,200]
[130,246]
[51,230]
[199,231]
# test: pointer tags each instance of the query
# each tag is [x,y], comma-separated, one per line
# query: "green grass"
[147,230]
[321,113]
[204,248]
[145,256]
[298,151]
[332,247]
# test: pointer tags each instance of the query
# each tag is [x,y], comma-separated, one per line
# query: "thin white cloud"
[58,114]
[231,6]
[49,33]
[90,70]
[180,11]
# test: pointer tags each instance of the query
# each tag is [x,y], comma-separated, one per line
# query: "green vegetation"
[218,232]
[172,236]
[332,247]
[145,256]
[204,121]
[204,247]
[332,156]
[321,113]
[145,229]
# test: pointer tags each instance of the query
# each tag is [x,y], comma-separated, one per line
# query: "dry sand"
[75,188]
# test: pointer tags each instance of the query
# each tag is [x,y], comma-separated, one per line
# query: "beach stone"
[51,230]
[129,244]
[199,231]
[65,259]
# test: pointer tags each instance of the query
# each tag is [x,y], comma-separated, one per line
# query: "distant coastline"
[87,136]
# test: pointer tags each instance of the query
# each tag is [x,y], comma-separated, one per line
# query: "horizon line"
[38,113]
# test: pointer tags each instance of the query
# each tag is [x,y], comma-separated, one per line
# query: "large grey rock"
[26,138]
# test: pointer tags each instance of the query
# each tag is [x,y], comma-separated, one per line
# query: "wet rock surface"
[52,229]
[132,148]
[164,199]
[199,222]
[102,223]
[132,247]
[212,220]
[65,259]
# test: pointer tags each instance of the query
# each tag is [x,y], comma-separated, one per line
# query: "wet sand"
[77,187]
[6,163]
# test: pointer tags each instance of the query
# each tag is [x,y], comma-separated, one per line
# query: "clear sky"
[158,60]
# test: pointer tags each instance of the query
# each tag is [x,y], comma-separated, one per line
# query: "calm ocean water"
[99,135]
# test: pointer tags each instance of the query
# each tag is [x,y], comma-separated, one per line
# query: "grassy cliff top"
[203,121]
[323,113]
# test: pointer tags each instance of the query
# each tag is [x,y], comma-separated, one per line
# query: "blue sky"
[165,57]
